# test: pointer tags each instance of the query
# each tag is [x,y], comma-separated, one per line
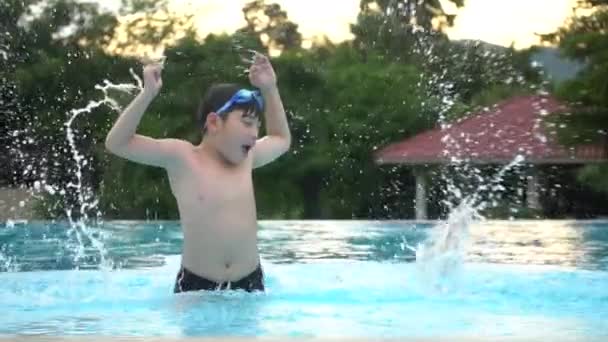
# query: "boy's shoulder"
[177,145]
[176,148]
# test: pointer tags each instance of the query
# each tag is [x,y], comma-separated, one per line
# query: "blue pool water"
[533,279]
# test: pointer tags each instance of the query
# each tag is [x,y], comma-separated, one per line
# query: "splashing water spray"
[80,227]
[440,258]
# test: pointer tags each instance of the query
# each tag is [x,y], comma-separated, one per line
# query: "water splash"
[7,262]
[83,232]
[440,259]
[86,197]
[245,51]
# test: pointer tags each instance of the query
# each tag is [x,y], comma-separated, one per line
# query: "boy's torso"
[218,217]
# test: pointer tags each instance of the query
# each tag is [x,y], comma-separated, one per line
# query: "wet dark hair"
[215,97]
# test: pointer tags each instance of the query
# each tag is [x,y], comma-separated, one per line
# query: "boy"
[212,182]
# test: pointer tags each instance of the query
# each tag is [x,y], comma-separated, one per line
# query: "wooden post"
[532,197]
[421,198]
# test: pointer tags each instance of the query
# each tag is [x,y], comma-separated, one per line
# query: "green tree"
[585,38]
[400,28]
[270,24]
[49,50]
[60,52]
[10,53]
[150,28]
[341,107]
[343,101]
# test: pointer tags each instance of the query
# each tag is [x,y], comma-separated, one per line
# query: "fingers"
[146,60]
[257,62]
[153,71]
[152,75]
[155,66]
[254,53]
[261,59]
[256,58]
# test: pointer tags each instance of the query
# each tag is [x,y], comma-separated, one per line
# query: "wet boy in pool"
[212,181]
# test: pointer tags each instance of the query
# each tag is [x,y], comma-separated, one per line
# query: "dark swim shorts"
[188,281]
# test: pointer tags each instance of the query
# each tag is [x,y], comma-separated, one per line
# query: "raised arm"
[122,139]
[278,137]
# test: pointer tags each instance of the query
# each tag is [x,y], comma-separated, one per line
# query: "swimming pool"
[533,279]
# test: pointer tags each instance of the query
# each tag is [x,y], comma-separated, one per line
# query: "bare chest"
[209,187]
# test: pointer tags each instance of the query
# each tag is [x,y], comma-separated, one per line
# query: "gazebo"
[495,135]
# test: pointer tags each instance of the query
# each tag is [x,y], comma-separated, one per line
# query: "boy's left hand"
[261,73]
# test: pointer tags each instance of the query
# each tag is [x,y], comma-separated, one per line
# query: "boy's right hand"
[152,78]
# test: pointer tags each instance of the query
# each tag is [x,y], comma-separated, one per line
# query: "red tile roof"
[495,135]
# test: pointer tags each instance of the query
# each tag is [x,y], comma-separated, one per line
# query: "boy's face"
[236,135]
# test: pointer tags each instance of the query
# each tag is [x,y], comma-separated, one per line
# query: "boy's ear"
[212,122]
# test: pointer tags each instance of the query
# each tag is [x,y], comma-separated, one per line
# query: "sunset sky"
[495,21]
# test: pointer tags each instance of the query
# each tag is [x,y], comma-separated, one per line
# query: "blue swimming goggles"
[241,97]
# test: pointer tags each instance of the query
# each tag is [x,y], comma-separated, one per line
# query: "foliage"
[398,77]
[585,38]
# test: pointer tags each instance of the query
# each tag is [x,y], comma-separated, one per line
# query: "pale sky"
[500,22]
[505,21]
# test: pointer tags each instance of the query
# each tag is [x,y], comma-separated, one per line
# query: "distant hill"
[556,67]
